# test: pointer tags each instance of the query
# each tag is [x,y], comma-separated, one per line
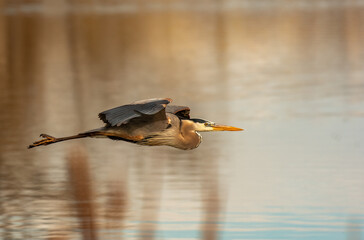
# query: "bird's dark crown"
[198,120]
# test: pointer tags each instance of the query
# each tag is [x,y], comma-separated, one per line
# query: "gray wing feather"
[123,114]
[180,111]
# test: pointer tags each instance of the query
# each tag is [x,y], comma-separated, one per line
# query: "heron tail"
[50,140]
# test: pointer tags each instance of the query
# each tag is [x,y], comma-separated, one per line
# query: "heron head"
[201,125]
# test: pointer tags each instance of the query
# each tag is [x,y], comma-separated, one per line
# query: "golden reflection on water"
[289,72]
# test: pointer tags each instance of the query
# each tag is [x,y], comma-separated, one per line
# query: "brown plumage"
[149,122]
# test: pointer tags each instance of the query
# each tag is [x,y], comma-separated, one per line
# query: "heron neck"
[190,138]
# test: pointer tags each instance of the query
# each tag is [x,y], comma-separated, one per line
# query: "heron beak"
[226,128]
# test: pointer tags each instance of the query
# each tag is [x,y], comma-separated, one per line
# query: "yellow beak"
[226,128]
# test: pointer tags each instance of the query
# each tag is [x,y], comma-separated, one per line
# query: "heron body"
[149,122]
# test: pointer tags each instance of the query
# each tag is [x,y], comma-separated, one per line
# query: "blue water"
[281,225]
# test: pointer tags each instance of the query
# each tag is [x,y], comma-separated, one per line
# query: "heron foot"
[48,140]
[46,136]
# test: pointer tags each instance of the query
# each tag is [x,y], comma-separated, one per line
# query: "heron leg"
[48,140]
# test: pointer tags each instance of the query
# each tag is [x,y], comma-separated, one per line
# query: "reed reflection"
[81,188]
[115,209]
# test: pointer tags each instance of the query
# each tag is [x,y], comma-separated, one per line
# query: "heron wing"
[123,114]
[182,112]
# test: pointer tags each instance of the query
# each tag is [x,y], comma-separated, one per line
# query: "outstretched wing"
[182,112]
[123,114]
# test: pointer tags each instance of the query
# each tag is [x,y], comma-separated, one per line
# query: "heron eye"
[206,124]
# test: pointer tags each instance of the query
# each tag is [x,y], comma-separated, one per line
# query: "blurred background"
[291,73]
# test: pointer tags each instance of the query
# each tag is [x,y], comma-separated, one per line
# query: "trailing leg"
[49,139]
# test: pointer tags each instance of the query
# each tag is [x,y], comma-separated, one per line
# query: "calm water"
[289,72]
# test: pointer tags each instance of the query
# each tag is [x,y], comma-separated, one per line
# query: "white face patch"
[210,124]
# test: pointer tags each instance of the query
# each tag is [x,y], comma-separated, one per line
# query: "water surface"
[289,73]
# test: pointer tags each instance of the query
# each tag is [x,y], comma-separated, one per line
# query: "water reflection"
[289,72]
[81,190]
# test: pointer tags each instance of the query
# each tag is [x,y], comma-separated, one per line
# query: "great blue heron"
[149,122]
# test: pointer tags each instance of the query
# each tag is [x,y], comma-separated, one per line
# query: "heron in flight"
[149,122]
